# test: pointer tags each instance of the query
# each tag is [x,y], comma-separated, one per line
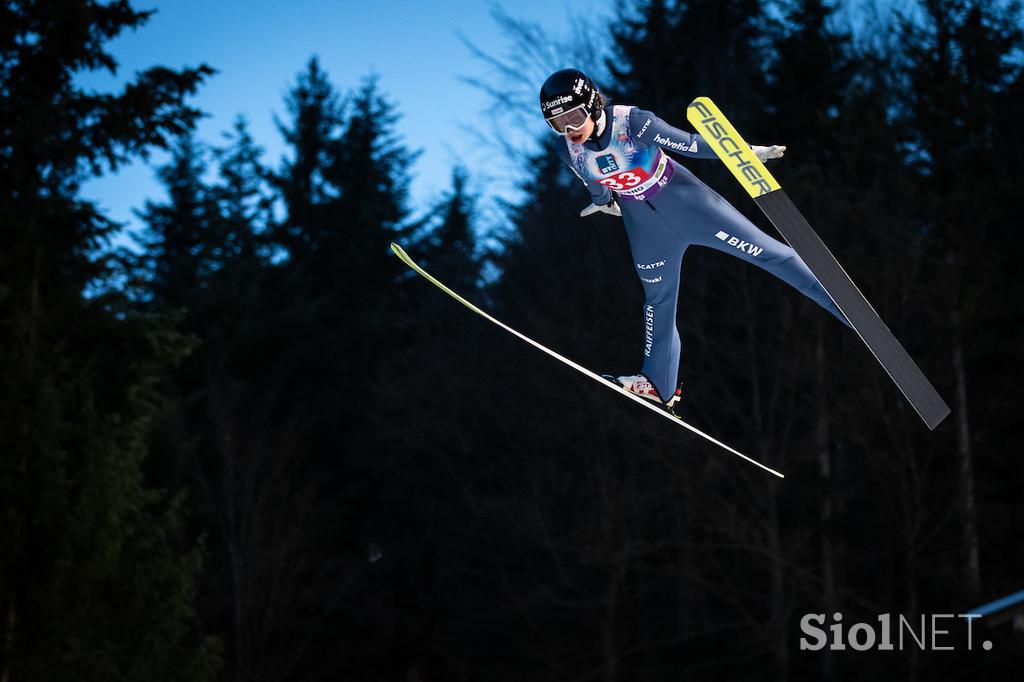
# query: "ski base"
[767,193]
[875,334]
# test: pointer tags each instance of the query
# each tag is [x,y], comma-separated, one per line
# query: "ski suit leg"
[709,220]
[657,256]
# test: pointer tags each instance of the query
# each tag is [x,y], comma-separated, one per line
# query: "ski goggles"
[574,119]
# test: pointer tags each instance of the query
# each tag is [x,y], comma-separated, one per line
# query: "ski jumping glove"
[611,207]
[774,151]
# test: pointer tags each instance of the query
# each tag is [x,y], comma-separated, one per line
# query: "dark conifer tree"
[370,167]
[242,448]
[181,230]
[807,88]
[96,580]
[243,196]
[316,411]
[666,53]
[315,116]
[448,248]
[962,69]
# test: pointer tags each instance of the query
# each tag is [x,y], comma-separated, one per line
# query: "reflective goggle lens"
[574,118]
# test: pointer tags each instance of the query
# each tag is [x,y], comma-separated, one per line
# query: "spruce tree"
[315,116]
[181,230]
[242,195]
[962,69]
[96,578]
[226,432]
[666,53]
[448,248]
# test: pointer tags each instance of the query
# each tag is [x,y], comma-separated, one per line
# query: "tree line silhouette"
[259,448]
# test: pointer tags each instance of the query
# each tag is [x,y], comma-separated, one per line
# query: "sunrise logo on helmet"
[558,101]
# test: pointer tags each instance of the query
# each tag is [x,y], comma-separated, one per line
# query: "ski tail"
[400,252]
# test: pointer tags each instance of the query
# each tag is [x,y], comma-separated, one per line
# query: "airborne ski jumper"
[618,152]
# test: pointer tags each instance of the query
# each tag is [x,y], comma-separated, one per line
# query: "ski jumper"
[666,209]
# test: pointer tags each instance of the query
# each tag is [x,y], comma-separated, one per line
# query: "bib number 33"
[625,179]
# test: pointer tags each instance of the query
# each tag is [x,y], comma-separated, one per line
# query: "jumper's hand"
[611,207]
[774,151]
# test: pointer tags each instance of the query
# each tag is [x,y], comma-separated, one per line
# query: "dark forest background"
[261,449]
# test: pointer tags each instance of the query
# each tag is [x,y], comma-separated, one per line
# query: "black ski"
[791,224]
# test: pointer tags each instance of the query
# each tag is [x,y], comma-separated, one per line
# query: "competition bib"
[630,170]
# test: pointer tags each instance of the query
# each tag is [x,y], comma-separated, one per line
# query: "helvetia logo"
[675,146]
[745,247]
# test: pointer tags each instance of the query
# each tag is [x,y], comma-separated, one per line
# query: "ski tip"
[702,99]
[726,142]
[400,252]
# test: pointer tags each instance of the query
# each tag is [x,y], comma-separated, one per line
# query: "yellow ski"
[736,154]
[400,252]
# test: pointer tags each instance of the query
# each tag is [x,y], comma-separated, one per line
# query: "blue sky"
[258,48]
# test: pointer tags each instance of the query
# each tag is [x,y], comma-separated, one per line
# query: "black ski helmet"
[566,89]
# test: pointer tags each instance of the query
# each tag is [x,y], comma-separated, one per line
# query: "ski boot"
[638,384]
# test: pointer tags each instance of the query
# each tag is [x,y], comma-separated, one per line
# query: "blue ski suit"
[666,209]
